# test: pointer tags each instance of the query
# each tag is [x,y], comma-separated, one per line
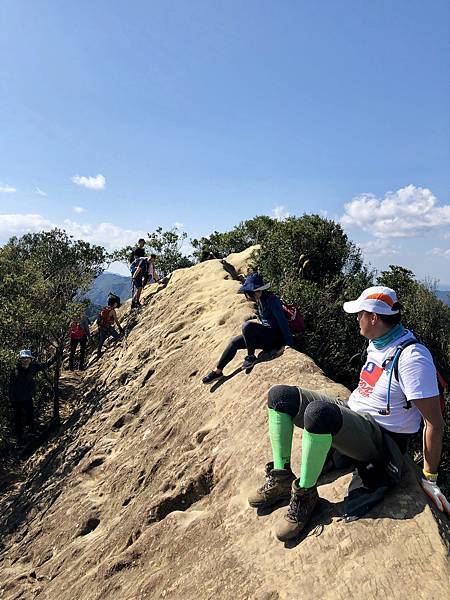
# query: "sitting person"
[270,334]
[367,426]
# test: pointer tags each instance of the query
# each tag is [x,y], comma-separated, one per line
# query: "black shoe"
[270,354]
[249,362]
[212,376]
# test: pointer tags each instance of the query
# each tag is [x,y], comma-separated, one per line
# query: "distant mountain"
[444,296]
[109,282]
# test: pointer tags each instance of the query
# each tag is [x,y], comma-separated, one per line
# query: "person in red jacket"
[79,334]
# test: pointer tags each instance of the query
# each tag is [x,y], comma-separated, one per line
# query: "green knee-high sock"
[281,427]
[315,448]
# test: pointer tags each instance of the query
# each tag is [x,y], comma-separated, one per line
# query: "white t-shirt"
[417,379]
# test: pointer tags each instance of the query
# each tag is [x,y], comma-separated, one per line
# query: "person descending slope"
[270,334]
[79,334]
[373,427]
[22,387]
[106,320]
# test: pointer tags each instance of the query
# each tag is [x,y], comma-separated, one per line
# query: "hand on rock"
[432,490]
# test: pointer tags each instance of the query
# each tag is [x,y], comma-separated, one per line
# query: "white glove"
[432,490]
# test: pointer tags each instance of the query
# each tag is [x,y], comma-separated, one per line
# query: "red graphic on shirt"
[368,378]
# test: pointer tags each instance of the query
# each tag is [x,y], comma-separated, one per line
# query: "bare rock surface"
[144,494]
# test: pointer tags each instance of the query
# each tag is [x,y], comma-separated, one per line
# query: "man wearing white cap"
[22,388]
[397,390]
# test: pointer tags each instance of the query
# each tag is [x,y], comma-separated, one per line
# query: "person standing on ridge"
[372,428]
[106,320]
[138,251]
[140,276]
[271,334]
[79,334]
[22,388]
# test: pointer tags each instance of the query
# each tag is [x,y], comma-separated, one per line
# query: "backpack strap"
[393,371]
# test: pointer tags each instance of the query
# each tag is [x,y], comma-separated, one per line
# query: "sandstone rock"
[145,495]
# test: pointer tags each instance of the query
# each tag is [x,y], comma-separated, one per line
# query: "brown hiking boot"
[302,505]
[277,487]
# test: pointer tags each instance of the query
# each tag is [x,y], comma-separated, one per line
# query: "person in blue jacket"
[271,334]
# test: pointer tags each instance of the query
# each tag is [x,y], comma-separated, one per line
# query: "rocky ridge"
[144,494]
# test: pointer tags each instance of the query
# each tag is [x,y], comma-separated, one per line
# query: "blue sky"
[117,117]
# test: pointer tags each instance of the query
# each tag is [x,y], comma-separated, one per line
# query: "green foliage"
[167,245]
[247,233]
[423,313]
[41,277]
[311,262]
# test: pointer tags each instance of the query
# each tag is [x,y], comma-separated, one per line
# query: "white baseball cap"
[25,354]
[376,299]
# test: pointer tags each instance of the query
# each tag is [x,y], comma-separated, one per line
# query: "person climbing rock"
[106,320]
[152,274]
[22,388]
[79,334]
[271,334]
[140,273]
[372,428]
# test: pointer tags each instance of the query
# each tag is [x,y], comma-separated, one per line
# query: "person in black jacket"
[271,334]
[22,387]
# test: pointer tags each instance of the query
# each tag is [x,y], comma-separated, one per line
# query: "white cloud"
[39,191]
[280,213]
[106,234]
[405,213]
[79,209]
[440,252]
[22,223]
[7,189]
[378,248]
[178,225]
[92,183]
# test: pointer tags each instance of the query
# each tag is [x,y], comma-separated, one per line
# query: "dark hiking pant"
[103,334]
[73,347]
[23,415]
[254,336]
[356,435]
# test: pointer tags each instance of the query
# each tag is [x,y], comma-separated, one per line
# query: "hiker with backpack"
[22,388]
[138,251]
[140,274]
[106,320]
[79,334]
[372,428]
[271,334]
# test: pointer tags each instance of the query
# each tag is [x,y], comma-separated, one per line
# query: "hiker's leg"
[18,422]
[283,405]
[235,344]
[102,335]
[73,347]
[114,334]
[83,344]
[259,336]
[29,413]
[327,422]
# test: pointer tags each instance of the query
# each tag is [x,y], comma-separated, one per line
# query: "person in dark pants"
[106,321]
[79,334]
[22,387]
[271,334]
